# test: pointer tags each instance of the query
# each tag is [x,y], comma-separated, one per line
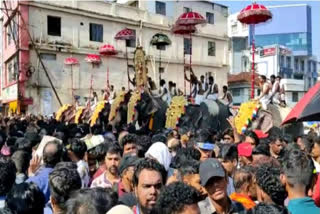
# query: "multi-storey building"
[281,49]
[60,29]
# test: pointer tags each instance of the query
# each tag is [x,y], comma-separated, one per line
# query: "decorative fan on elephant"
[247,113]
[134,99]
[175,111]
[62,110]
[116,105]
[100,106]
[78,115]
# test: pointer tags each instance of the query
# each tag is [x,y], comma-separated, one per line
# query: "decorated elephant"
[66,113]
[251,116]
[146,111]
[209,114]
[118,111]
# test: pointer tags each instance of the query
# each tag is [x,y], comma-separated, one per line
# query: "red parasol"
[71,61]
[183,29]
[190,18]
[254,14]
[93,59]
[107,50]
[185,24]
[125,34]
[307,109]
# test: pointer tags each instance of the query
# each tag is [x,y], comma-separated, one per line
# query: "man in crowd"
[245,187]
[276,146]
[214,179]
[7,178]
[62,181]
[269,187]
[148,179]
[297,175]
[178,198]
[129,144]
[52,154]
[76,153]
[111,176]
[126,170]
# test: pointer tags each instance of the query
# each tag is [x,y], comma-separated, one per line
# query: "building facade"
[294,63]
[49,31]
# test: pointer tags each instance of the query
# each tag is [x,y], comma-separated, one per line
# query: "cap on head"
[245,149]
[127,161]
[261,134]
[205,146]
[210,168]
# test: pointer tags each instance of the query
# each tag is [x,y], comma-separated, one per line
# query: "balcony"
[293,84]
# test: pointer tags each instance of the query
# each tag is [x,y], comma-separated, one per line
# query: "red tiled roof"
[242,77]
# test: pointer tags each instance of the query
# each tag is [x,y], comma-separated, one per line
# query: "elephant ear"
[155,105]
[263,122]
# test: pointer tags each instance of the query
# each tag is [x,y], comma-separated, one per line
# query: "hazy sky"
[235,6]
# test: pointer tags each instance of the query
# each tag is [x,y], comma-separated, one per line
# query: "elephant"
[273,117]
[150,113]
[209,114]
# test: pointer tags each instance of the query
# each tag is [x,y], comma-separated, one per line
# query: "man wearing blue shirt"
[52,154]
[297,177]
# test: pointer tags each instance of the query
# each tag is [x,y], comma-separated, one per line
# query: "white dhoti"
[212,96]
[276,98]
[199,99]
[265,100]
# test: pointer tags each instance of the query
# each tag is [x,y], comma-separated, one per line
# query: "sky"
[236,6]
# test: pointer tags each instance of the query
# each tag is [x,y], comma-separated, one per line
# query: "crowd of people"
[51,167]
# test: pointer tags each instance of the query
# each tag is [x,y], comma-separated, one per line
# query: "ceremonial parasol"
[254,14]
[184,30]
[159,40]
[107,50]
[94,59]
[71,61]
[126,34]
[307,109]
[189,20]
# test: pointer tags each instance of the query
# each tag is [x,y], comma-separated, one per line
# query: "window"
[54,26]
[96,32]
[309,82]
[281,61]
[288,62]
[186,10]
[160,8]
[12,70]
[48,56]
[210,18]
[134,4]
[236,92]
[314,67]
[12,31]
[302,65]
[187,46]
[211,48]
[132,42]
[296,64]
[309,66]
[161,47]
[295,96]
